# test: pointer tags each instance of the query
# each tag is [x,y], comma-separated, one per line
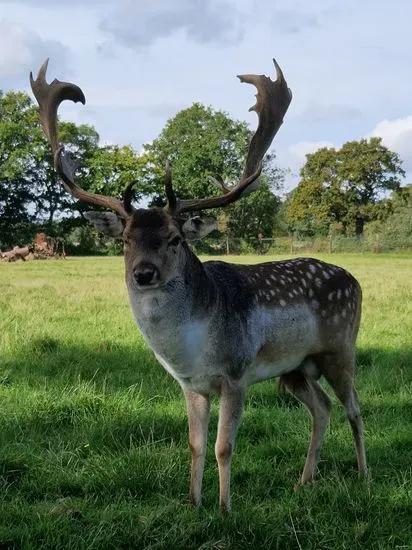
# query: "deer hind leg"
[339,372]
[198,407]
[310,393]
[231,407]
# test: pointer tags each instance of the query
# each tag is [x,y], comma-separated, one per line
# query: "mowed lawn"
[93,435]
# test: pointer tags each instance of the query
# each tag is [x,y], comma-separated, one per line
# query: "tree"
[17,119]
[344,186]
[113,167]
[254,215]
[201,142]
[31,195]
[395,229]
[52,202]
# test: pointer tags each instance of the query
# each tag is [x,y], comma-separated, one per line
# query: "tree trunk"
[360,222]
[16,254]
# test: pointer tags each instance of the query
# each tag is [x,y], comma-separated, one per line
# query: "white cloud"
[293,157]
[299,150]
[155,57]
[314,112]
[21,49]
[140,24]
[290,21]
[397,136]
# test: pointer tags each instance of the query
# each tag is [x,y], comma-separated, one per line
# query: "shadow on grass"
[85,426]
[107,365]
[393,359]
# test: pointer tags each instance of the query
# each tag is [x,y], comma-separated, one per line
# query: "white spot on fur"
[326,274]
[312,268]
[282,303]
[318,282]
[310,293]
[330,296]
[339,294]
[336,319]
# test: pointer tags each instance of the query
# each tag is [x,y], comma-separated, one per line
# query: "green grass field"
[93,437]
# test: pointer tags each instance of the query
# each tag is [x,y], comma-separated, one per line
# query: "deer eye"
[175,241]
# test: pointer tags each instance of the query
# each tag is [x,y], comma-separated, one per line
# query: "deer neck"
[174,320]
[191,294]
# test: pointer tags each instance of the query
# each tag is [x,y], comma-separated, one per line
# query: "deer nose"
[146,274]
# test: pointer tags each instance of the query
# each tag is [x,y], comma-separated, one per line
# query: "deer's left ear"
[108,223]
[196,228]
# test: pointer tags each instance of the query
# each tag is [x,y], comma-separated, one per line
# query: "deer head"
[155,240]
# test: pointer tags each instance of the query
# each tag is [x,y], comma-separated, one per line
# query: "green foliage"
[93,432]
[254,215]
[112,168]
[31,195]
[201,142]
[344,186]
[395,230]
[17,166]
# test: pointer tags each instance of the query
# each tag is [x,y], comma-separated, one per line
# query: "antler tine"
[272,101]
[128,197]
[170,194]
[49,97]
[217,180]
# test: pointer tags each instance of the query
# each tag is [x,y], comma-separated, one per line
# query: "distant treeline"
[349,194]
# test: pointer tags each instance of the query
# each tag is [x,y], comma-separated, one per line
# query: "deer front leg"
[231,407]
[198,407]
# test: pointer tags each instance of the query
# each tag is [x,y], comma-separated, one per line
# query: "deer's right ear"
[108,223]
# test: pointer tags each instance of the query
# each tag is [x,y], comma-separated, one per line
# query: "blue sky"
[348,63]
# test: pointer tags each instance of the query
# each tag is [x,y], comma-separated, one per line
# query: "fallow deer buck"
[218,327]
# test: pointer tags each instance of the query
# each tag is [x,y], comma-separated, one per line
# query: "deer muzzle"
[146,274]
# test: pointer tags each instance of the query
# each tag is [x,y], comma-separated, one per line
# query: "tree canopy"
[339,188]
[344,186]
[31,196]
[201,142]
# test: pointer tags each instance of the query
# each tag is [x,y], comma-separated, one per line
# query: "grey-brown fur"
[301,314]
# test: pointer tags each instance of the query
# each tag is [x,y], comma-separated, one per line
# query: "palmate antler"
[273,99]
[49,97]
[272,102]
